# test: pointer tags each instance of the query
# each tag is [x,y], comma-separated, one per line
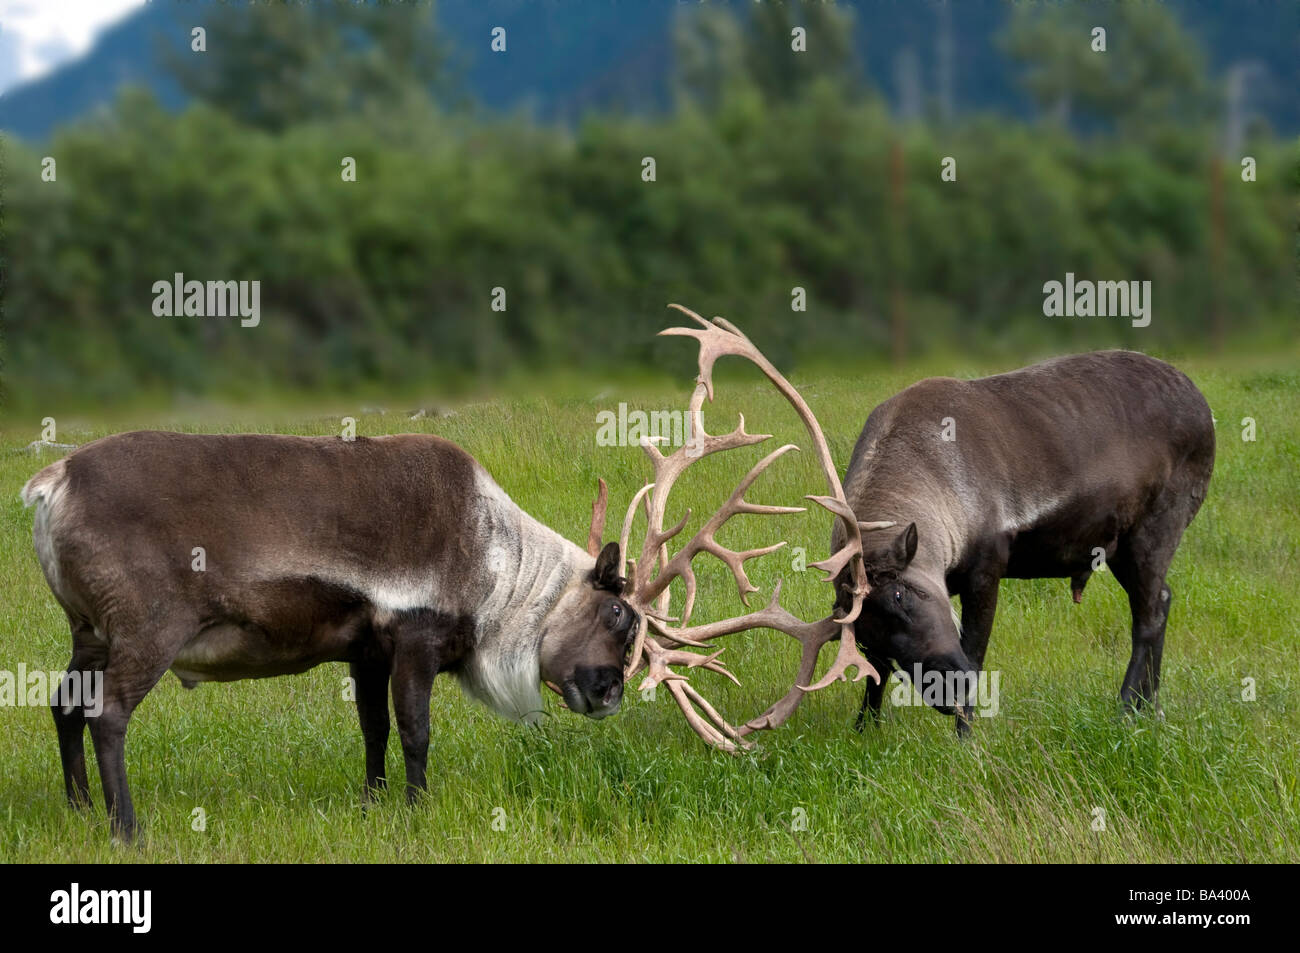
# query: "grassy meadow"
[276,765]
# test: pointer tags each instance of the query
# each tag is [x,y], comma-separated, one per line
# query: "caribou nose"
[602,689]
[613,695]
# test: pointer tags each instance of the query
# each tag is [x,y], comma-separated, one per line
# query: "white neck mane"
[530,567]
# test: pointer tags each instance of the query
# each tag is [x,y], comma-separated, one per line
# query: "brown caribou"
[1055,470]
[223,557]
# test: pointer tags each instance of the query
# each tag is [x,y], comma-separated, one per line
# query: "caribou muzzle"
[594,691]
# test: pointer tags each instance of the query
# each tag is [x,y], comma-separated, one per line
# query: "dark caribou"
[1040,472]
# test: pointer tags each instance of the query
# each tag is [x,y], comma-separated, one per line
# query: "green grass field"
[276,765]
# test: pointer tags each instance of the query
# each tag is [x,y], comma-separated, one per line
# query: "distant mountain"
[124,54]
[565,58]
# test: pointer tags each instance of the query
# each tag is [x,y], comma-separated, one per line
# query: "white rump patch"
[45,491]
[47,485]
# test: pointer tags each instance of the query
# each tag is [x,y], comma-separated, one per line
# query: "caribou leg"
[370,678]
[978,592]
[1140,564]
[979,604]
[128,677]
[873,698]
[415,663]
[70,724]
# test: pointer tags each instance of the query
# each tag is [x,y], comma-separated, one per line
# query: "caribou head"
[582,653]
[907,617]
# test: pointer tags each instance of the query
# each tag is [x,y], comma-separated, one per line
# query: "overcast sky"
[38,35]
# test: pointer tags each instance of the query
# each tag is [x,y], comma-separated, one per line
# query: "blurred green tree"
[1151,75]
[272,65]
[719,53]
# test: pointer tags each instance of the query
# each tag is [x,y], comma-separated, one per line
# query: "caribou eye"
[898,595]
[618,611]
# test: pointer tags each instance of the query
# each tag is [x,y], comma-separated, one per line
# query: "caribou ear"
[605,575]
[904,547]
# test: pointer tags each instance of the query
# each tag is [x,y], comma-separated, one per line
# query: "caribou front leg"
[979,604]
[415,663]
[370,679]
[873,698]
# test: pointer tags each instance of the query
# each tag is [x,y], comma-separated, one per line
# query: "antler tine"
[724,727]
[598,508]
[724,736]
[626,535]
[667,656]
[784,707]
[713,343]
[847,657]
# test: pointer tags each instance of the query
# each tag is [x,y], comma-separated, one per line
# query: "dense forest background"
[774,169]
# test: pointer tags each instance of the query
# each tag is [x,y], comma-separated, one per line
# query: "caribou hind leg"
[128,677]
[70,713]
[1140,563]
[1149,603]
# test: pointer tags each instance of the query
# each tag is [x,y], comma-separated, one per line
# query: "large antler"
[649,590]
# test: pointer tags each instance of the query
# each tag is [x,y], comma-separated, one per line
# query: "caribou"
[221,557]
[1077,464]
